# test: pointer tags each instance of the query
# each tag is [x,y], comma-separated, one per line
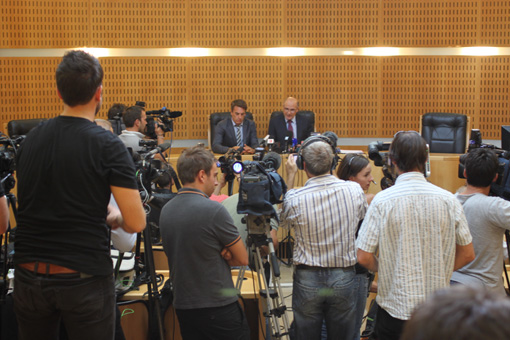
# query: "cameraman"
[201,243]
[325,215]
[135,119]
[488,219]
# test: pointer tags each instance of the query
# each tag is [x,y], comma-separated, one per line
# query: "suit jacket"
[278,128]
[225,136]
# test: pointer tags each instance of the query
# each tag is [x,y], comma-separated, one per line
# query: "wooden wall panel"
[44,23]
[227,23]
[342,91]
[332,23]
[494,96]
[412,86]
[27,89]
[495,23]
[138,24]
[430,23]
[216,82]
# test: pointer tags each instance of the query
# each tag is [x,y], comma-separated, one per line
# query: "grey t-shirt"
[194,230]
[488,218]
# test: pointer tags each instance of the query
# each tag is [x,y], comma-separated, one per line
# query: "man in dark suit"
[282,125]
[236,132]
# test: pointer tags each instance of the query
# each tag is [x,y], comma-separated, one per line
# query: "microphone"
[288,140]
[158,149]
[273,160]
[264,141]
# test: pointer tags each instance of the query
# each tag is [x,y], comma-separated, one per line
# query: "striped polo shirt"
[325,214]
[415,226]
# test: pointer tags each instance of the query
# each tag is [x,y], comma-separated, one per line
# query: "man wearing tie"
[283,125]
[236,132]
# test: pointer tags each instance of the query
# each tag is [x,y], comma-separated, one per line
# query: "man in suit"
[236,132]
[280,125]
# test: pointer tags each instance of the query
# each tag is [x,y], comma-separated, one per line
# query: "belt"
[305,267]
[47,268]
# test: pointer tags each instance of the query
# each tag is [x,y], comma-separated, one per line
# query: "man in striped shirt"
[325,215]
[421,234]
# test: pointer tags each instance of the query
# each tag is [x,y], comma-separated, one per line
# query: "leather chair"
[217,117]
[445,132]
[21,127]
[309,115]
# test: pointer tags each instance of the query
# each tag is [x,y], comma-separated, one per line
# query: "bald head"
[290,108]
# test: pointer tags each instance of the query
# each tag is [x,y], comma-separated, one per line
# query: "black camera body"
[8,149]
[164,116]
[261,187]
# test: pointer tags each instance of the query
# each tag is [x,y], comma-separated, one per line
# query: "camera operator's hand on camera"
[159,131]
[291,168]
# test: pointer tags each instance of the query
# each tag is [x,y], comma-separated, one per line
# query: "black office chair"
[445,132]
[214,119]
[309,115]
[21,127]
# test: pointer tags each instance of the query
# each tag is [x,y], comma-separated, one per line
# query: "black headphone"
[311,140]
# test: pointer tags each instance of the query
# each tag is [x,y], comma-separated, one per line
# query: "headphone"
[310,140]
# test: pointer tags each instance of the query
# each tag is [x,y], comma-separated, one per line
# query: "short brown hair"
[409,151]
[239,103]
[191,161]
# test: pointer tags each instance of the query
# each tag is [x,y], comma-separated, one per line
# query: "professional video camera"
[261,186]
[164,116]
[8,149]
[381,159]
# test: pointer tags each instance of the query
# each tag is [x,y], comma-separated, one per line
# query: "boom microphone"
[158,149]
[273,160]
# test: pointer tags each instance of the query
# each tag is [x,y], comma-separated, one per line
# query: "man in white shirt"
[420,232]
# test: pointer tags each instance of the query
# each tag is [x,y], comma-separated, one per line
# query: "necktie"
[238,135]
[289,126]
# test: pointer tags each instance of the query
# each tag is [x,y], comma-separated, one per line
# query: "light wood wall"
[354,96]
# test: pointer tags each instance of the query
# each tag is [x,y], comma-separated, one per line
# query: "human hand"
[248,150]
[113,217]
[226,254]
[290,165]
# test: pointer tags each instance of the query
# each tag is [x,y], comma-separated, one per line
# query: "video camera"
[164,116]
[148,169]
[381,159]
[261,186]
[8,149]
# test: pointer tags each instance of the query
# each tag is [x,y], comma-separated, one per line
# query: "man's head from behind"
[460,313]
[408,151]
[135,118]
[290,108]
[317,156]
[481,167]
[197,167]
[238,111]
[78,76]
[116,111]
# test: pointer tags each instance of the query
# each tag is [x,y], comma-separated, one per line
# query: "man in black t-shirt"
[63,266]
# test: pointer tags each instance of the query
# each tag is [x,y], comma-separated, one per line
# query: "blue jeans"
[325,293]
[86,306]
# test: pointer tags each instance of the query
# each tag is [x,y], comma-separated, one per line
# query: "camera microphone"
[273,160]
[158,149]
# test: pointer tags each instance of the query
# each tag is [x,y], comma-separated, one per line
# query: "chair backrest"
[445,132]
[22,126]
[214,119]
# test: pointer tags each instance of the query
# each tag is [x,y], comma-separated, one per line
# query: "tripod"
[259,235]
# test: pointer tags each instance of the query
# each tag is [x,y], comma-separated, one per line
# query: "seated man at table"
[236,132]
[289,124]
[201,243]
